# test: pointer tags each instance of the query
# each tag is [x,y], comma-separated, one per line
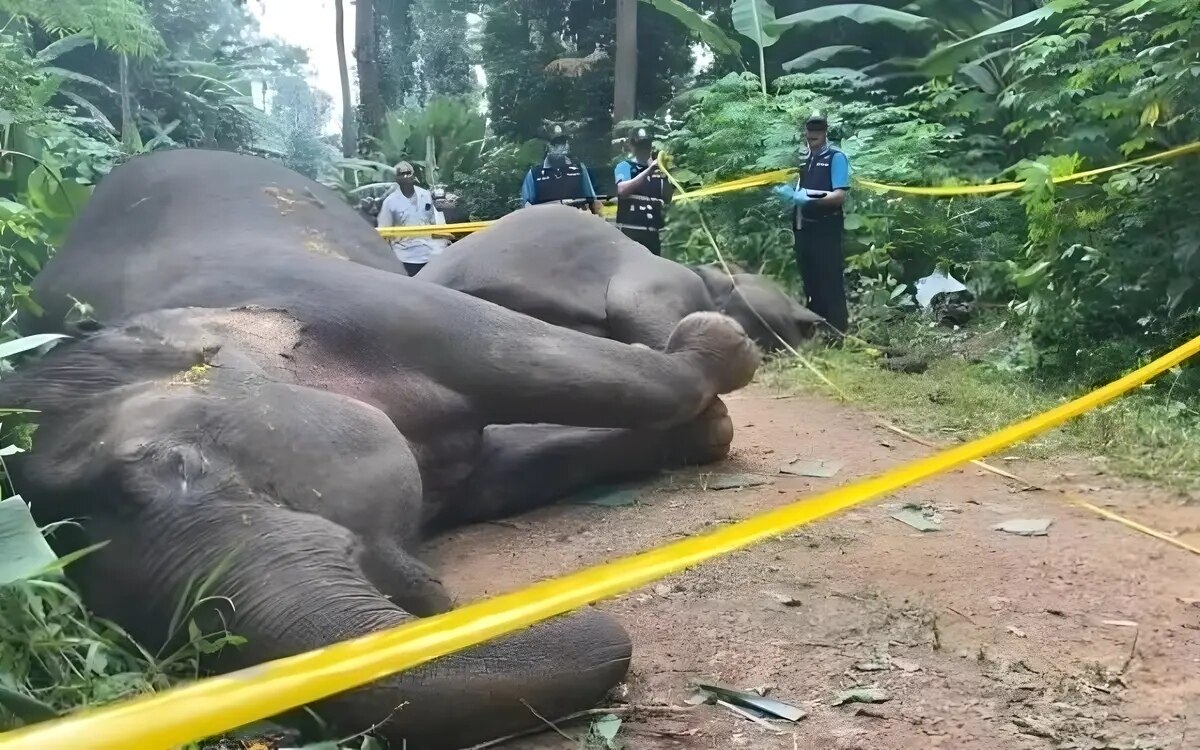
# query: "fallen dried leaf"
[1016,631]
[862,695]
[1035,728]
[756,702]
[918,519]
[732,481]
[905,665]
[787,601]
[1121,623]
[1025,526]
[811,468]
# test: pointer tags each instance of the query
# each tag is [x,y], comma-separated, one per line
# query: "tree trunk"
[130,137]
[366,53]
[349,140]
[625,75]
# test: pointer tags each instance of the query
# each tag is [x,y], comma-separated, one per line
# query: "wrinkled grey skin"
[769,315]
[348,412]
[574,270]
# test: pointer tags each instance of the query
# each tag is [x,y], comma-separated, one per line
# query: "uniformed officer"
[559,178]
[643,192]
[817,220]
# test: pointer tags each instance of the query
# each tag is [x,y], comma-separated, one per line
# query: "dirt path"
[989,631]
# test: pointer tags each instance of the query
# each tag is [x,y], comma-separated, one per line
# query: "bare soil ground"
[999,641]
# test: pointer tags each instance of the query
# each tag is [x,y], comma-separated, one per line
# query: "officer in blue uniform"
[817,221]
[559,178]
[643,192]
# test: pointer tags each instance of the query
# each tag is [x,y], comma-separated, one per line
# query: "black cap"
[817,124]
[640,135]
[558,134]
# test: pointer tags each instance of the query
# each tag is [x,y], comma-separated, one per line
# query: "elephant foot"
[726,354]
[706,439]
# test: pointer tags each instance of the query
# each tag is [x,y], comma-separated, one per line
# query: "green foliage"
[819,55]
[518,41]
[860,13]
[755,19]
[1108,271]
[946,59]
[123,25]
[1101,273]
[707,31]
[442,67]
[493,189]
[297,117]
[729,129]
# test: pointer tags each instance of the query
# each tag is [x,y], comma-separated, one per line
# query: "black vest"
[556,184]
[643,209]
[817,176]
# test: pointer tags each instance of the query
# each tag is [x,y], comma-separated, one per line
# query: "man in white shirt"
[407,206]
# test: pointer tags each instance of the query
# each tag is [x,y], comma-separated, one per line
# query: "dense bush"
[1102,273]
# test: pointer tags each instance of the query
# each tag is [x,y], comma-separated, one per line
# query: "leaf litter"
[923,518]
[819,468]
[1025,526]
[764,706]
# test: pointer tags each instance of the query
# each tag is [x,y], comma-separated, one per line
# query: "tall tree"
[349,141]
[625,76]
[366,55]
[443,66]
[298,115]
[394,38]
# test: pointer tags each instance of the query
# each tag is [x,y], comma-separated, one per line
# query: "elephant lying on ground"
[573,270]
[257,390]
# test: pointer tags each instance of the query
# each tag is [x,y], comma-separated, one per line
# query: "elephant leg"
[556,376]
[409,583]
[524,467]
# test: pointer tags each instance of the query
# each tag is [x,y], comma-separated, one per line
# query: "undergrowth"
[972,388]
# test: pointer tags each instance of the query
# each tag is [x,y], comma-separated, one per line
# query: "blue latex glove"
[785,193]
[789,194]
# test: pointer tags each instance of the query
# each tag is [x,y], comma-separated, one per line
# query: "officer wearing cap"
[642,192]
[817,220]
[409,205]
[559,178]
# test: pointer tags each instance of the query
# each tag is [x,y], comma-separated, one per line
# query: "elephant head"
[770,316]
[145,444]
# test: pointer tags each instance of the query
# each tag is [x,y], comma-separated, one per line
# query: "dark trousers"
[413,268]
[648,240]
[822,268]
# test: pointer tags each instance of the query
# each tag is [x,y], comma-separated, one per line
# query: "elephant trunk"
[558,668]
[298,587]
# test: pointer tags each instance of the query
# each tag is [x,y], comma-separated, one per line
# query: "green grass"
[967,392]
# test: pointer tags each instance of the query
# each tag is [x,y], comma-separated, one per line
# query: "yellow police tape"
[215,705]
[779,175]
[1008,187]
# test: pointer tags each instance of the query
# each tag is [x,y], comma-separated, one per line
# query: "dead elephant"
[573,270]
[269,385]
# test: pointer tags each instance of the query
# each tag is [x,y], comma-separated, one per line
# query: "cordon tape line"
[469,227]
[778,175]
[1008,187]
[1110,515]
[218,704]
